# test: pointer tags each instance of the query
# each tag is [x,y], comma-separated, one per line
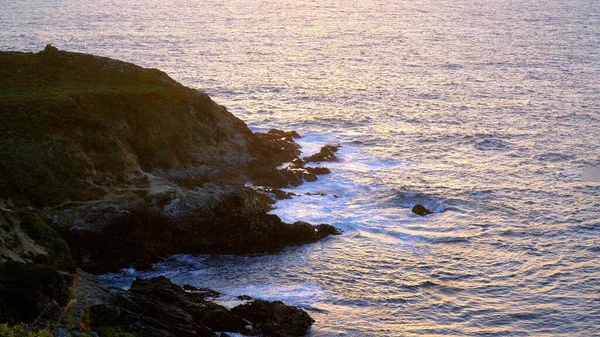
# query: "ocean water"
[486,111]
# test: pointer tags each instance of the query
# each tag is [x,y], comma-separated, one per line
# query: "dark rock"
[325,229]
[188,287]
[309,177]
[50,50]
[282,195]
[275,318]
[421,210]
[232,220]
[157,307]
[319,170]
[245,298]
[276,193]
[279,178]
[316,193]
[30,290]
[35,268]
[270,151]
[327,153]
[289,135]
[297,163]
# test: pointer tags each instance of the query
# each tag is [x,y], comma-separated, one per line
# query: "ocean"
[485,111]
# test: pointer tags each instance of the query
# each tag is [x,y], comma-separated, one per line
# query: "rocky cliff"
[105,165]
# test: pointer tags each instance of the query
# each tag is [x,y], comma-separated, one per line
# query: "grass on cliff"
[21,330]
[61,111]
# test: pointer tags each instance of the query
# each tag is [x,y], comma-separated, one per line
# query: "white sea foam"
[486,113]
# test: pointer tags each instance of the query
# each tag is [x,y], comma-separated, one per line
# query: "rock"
[289,135]
[35,268]
[282,195]
[325,229]
[204,292]
[322,194]
[162,173]
[297,163]
[275,318]
[50,50]
[319,170]
[244,298]
[309,177]
[421,210]
[327,153]
[214,220]
[157,307]
[61,332]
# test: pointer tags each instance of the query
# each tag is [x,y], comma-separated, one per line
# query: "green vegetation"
[63,114]
[21,330]
[28,290]
[58,250]
[109,331]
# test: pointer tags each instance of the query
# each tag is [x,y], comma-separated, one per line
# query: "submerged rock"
[421,210]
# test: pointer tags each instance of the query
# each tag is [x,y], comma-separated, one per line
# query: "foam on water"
[486,112]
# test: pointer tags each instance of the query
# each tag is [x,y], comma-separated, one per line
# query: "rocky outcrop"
[35,267]
[275,318]
[159,308]
[117,166]
[139,231]
[136,166]
[91,123]
[421,210]
[327,153]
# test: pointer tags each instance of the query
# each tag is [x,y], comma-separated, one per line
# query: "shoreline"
[118,200]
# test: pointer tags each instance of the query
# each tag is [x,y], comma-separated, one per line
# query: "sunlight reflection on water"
[485,111]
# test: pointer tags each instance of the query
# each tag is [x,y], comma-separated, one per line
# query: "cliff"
[106,165]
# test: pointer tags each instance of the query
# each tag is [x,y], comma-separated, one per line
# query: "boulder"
[421,210]
[275,318]
[327,153]
[288,135]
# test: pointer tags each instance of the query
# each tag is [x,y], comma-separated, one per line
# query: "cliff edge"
[106,165]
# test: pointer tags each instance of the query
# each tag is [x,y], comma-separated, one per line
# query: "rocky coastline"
[106,165]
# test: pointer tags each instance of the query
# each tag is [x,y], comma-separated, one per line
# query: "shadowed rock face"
[157,307]
[327,153]
[35,267]
[275,318]
[159,167]
[120,166]
[221,219]
[76,126]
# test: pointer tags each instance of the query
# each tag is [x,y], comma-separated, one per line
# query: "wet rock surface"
[327,153]
[220,219]
[132,169]
[157,307]
[275,318]
[421,210]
